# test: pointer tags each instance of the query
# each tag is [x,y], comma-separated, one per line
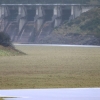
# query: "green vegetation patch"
[6,47]
[87,23]
[9,51]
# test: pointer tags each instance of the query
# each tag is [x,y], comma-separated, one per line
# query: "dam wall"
[25,22]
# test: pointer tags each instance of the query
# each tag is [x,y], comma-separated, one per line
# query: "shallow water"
[61,45]
[52,94]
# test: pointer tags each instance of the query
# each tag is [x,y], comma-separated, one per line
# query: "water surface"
[60,45]
[52,94]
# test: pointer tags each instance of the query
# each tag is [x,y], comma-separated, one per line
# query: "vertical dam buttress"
[27,22]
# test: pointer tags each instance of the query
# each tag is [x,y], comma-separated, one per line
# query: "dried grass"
[51,67]
[1,98]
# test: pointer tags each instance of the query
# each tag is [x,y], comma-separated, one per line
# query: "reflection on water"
[52,94]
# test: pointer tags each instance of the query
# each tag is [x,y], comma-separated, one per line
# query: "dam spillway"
[26,22]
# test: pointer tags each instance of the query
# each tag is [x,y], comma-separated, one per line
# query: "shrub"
[5,39]
[91,25]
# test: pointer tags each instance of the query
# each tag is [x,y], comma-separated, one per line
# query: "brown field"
[1,98]
[51,67]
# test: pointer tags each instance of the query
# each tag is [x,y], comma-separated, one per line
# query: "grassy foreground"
[51,67]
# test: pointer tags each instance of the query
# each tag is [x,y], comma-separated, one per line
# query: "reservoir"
[52,94]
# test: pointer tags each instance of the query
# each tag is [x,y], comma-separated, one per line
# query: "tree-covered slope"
[84,30]
[87,23]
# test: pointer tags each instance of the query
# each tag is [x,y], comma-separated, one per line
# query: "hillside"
[87,23]
[83,30]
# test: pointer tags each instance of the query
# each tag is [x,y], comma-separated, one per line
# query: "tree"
[5,39]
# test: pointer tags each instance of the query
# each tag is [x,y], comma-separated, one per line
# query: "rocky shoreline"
[71,38]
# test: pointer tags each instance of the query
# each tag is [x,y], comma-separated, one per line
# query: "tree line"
[49,1]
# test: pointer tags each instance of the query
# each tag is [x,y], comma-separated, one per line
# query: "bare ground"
[51,67]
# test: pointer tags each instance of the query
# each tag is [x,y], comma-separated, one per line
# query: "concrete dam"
[27,22]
